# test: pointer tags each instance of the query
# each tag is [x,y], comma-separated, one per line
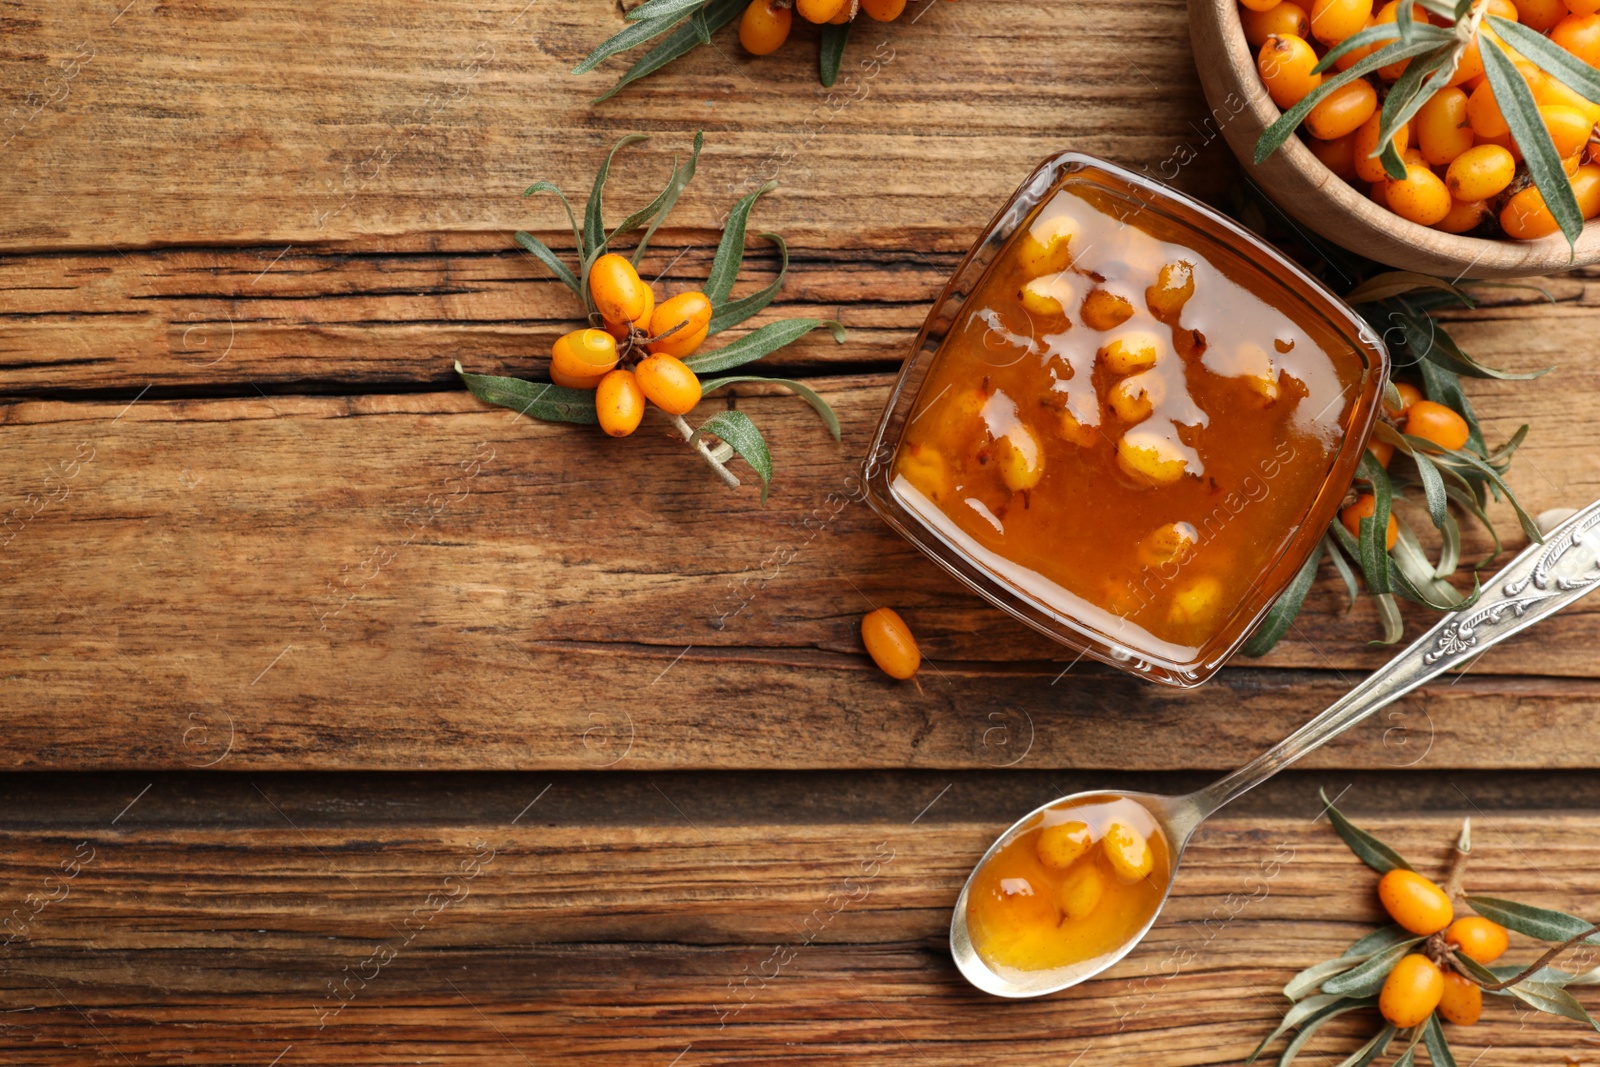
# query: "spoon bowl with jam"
[1073,886]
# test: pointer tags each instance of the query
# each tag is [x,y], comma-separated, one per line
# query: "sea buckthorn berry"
[1390,12]
[1130,400]
[687,316]
[1579,7]
[1105,311]
[1256,5]
[668,384]
[1150,460]
[1173,288]
[1076,432]
[1465,216]
[1338,155]
[1411,992]
[1080,892]
[1020,458]
[928,471]
[1483,112]
[1285,63]
[890,644]
[1365,507]
[1480,940]
[619,403]
[1369,168]
[1462,1000]
[1580,35]
[1421,196]
[1470,67]
[1334,20]
[1569,128]
[1061,845]
[1195,602]
[584,355]
[1048,296]
[1282,18]
[883,10]
[1378,193]
[1133,351]
[1409,394]
[1525,216]
[1552,91]
[1586,190]
[1413,901]
[623,330]
[619,293]
[1130,855]
[1047,246]
[1169,543]
[764,27]
[1383,452]
[820,11]
[1442,129]
[1444,427]
[1541,15]
[1480,172]
[846,13]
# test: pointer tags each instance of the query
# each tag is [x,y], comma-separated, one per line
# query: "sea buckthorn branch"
[636,353]
[1430,967]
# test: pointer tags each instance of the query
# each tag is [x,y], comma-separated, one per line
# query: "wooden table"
[383,727]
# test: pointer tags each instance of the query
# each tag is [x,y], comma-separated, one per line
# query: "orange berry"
[1586,190]
[688,316]
[1338,155]
[618,293]
[1541,15]
[1368,167]
[1461,1001]
[619,403]
[623,330]
[1551,91]
[1409,394]
[1480,940]
[1256,5]
[846,13]
[764,27]
[890,643]
[820,11]
[1390,12]
[1343,110]
[1420,196]
[1483,112]
[1579,7]
[1580,35]
[883,10]
[1442,129]
[1480,172]
[1465,216]
[668,384]
[1470,65]
[1334,20]
[1383,452]
[581,358]
[1441,425]
[1282,18]
[1410,899]
[1411,992]
[1365,507]
[1525,216]
[1285,63]
[1356,55]
[1569,128]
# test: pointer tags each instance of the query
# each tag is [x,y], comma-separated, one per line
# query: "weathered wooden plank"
[264,122]
[416,581]
[613,944]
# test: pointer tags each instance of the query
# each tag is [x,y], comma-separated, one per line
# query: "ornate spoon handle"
[1541,581]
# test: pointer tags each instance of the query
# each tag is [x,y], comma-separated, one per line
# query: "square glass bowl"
[1127,421]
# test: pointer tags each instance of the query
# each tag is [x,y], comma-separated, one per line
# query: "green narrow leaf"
[1296,1015]
[1383,31]
[1443,386]
[1366,978]
[1542,924]
[1433,490]
[1528,130]
[1465,501]
[1393,283]
[680,181]
[1282,614]
[594,214]
[543,253]
[730,249]
[1473,462]
[1549,57]
[1553,1000]
[1374,529]
[1310,1025]
[657,9]
[1430,341]
[736,311]
[1408,1057]
[552,187]
[1450,546]
[539,400]
[1371,1050]
[805,392]
[686,38]
[741,434]
[1417,581]
[636,34]
[1406,97]
[1438,1048]
[758,343]
[1389,616]
[832,54]
[1309,979]
[701,28]
[1374,853]
[1341,566]
[1378,940]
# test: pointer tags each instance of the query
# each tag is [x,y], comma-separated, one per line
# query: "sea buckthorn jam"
[1077,887]
[1131,428]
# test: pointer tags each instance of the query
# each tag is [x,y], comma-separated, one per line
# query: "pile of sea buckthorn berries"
[1415,417]
[1418,986]
[1462,172]
[654,339]
[766,23]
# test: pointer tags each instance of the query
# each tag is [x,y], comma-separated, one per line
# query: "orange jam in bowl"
[1127,421]
[1075,888]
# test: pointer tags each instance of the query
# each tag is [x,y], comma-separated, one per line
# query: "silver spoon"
[1541,581]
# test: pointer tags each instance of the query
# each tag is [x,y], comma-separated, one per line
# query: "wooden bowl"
[1325,203]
